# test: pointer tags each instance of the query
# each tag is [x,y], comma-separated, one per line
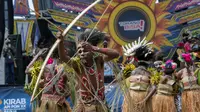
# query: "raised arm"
[109,54]
[61,49]
[41,52]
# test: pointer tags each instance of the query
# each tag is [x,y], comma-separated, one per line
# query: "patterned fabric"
[25,28]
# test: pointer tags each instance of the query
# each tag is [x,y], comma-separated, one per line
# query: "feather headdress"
[130,49]
[139,49]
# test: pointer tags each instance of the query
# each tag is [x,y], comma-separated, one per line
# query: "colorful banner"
[175,5]
[14,99]
[175,37]
[20,9]
[187,15]
[67,18]
[74,6]
[25,28]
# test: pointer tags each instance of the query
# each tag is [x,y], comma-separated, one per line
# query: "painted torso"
[92,82]
[59,84]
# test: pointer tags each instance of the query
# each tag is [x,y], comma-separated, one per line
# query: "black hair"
[47,43]
[185,34]
[169,71]
[44,42]
[95,36]
[144,53]
[186,37]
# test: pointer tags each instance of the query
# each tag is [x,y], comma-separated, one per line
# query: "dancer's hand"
[59,36]
[43,51]
[87,47]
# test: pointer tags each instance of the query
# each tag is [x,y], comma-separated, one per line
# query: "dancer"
[89,66]
[139,78]
[195,47]
[184,46]
[159,57]
[53,98]
[191,93]
[157,70]
[163,101]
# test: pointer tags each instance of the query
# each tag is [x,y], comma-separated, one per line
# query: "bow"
[56,44]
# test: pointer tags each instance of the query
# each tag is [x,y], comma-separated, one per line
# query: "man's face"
[82,53]
[158,64]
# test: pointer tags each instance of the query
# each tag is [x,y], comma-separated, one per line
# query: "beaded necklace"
[92,71]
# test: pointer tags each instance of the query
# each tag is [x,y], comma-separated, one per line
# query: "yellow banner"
[67,18]
[188,15]
[25,28]
[189,18]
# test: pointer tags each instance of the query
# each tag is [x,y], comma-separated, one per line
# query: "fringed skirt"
[191,101]
[133,102]
[94,107]
[52,106]
[163,103]
[53,103]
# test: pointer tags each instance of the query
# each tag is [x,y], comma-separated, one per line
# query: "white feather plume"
[130,48]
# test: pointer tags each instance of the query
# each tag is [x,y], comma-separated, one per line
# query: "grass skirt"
[132,99]
[191,101]
[53,106]
[163,103]
[80,107]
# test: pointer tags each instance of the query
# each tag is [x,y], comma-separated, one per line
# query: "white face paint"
[158,64]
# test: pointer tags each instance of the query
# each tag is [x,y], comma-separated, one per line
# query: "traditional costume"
[139,78]
[91,97]
[157,70]
[191,92]
[163,101]
[89,66]
[54,81]
[54,96]
[185,45]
